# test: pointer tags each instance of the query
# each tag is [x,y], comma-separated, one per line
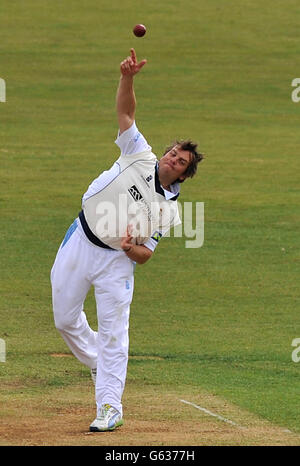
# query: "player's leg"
[113,293]
[70,285]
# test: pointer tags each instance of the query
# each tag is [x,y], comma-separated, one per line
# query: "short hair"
[190,147]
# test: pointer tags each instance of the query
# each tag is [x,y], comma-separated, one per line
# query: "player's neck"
[166,186]
[164,181]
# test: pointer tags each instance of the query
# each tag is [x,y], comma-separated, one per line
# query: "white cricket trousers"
[79,264]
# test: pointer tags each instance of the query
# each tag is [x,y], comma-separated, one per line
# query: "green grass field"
[221,318]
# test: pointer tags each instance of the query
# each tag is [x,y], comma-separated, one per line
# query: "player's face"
[174,164]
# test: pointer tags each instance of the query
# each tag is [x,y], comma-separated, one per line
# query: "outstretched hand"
[130,66]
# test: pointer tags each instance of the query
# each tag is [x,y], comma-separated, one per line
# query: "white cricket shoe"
[94,375]
[109,418]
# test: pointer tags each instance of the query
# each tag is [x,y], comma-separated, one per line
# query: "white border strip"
[221,418]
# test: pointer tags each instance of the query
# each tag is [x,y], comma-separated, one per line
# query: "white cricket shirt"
[129,193]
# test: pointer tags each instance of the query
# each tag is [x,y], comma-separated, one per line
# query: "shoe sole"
[118,424]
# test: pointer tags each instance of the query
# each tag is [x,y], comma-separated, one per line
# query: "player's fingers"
[141,64]
[123,68]
[129,230]
[129,62]
[127,235]
[133,55]
[126,66]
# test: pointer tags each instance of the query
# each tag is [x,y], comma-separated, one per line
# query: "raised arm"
[125,99]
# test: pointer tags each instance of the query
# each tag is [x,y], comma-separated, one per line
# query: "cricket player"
[125,212]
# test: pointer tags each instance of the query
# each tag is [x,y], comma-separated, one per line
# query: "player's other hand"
[126,242]
[130,66]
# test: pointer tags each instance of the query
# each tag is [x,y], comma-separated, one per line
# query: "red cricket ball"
[139,30]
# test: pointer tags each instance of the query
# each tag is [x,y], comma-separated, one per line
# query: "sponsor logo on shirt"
[135,193]
[156,236]
[147,180]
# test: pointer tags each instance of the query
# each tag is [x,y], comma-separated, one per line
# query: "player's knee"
[61,321]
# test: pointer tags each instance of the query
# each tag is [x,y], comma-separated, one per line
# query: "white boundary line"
[221,418]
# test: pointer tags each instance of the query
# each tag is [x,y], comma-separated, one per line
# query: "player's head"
[181,159]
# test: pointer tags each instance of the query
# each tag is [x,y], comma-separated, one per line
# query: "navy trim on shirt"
[90,235]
